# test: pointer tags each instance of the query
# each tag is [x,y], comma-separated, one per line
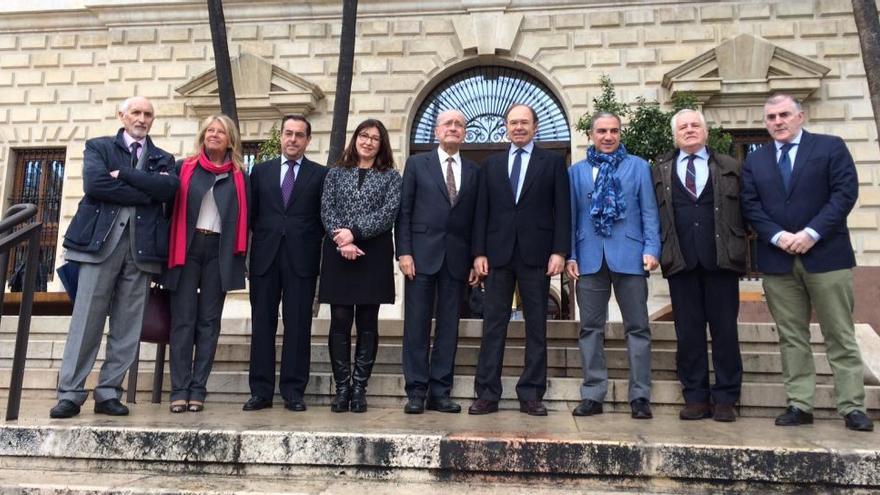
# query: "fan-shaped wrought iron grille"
[483,94]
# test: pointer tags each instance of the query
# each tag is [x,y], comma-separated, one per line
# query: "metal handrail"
[15,216]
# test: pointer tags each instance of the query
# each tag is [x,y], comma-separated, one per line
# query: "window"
[250,151]
[39,177]
[744,142]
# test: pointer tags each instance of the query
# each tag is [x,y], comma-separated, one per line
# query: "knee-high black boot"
[364,358]
[340,361]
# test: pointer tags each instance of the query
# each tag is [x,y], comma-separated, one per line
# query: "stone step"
[387,445]
[757,399]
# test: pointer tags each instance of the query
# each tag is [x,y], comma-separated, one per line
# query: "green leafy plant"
[647,132]
[271,147]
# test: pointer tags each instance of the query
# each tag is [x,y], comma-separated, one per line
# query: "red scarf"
[177,244]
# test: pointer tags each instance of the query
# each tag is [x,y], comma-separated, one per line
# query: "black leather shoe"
[587,407]
[724,413]
[641,409]
[444,405]
[794,417]
[111,407]
[483,406]
[256,403]
[296,405]
[414,405]
[695,410]
[858,421]
[358,402]
[532,407]
[64,409]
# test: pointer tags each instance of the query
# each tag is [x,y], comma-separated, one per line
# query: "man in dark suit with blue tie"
[433,241]
[285,219]
[522,234]
[797,192]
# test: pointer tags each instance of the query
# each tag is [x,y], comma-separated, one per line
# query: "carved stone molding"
[744,71]
[262,90]
[487,33]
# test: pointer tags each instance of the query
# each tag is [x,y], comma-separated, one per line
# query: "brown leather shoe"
[483,406]
[532,407]
[724,413]
[695,410]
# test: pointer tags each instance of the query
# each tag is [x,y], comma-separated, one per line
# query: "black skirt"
[369,279]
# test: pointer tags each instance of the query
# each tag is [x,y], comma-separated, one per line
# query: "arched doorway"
[483,93]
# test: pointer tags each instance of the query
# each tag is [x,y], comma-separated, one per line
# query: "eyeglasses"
[366,137]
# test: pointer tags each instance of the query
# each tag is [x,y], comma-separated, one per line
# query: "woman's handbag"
[157,316]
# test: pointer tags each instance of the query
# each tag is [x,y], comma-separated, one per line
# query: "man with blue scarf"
[615,238]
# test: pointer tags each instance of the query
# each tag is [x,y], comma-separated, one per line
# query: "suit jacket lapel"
[435,171]
[804,148]
[467,178]
[304,174]
[532,171]
[273,175]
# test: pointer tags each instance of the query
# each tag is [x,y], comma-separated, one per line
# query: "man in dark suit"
[703,255]
[285,218]
[119,236]
[433,241]
[522,234]
[797,192]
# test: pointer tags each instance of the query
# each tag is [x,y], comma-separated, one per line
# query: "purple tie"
[287,183]
[690,177]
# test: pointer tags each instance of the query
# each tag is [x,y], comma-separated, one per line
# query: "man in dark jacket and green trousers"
[119,236]
[703,255]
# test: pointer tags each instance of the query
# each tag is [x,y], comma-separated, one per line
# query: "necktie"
[134,153]
[690,177]
[450,181]
[785,164]
[514,172]
[287,183]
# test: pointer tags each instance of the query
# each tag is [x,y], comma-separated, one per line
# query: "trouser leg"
[418,305]
[631,292]
[496,316]
[722,308]
[594,292]
[691,357]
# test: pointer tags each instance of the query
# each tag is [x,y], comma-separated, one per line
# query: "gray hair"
[603,115]
[780,97]
[673,121]
[123,107]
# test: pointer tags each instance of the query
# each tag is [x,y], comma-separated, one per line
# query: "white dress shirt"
[456,166]
[701,168]
[524,161]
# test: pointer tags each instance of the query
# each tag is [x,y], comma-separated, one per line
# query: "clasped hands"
[798,243]
[344,240]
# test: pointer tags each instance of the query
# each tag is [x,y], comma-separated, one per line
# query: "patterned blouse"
[368,210]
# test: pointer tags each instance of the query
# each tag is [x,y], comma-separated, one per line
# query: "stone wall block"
[624,77]
[8,42]
[372,65]
[33,41]
[532,44]
[399,103]
[412,65]
[265,49]
[840,48]
[864,152]
[408,27]
[173,34]
[535,23]
[862,220]
[437,26]
[62,40]
[679,53]
[677,14]
[58,77]
[28,78]
[716,13]
[818,28]
[773,30]
[845,89]
[626,37]
[77,58]
[289,50]
[86,75]
[189,52]
[74,94]
[369,104]
[604,58]
[794,9]
[153,89]
[653,75]
[564,60]
[93,40]
[156,53]
[171,71]
[276,31]
[638,17]
[242,32]
[587,39]
[309,30]
[42,96]
[15,61]
[13,96]
[571,21]
[604,19]
[394,47]
[754,11]
[55,113]
[869,196]
[123,54]
[308,66]
[5,80]
[202,33]
[835,7]
[641,56]
[704,34]
[140,36]
[661,35]
[45,59]
[24,115]
[399,84]
[139,72]
[828,111]
[805,47]
[860,111]
[373,28]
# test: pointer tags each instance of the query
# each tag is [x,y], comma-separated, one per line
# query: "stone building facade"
[66,65]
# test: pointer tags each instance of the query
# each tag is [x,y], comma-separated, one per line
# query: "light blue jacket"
[637,234]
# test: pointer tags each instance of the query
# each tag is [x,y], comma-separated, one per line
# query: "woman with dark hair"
[358,207]
[206,255]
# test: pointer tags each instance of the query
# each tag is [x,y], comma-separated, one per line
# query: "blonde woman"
[206,255]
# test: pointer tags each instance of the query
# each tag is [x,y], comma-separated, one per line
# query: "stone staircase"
[763,394]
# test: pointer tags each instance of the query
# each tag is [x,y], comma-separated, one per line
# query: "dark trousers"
[296,294]
[701,297]
[534,288]
[196,308]
[428,370]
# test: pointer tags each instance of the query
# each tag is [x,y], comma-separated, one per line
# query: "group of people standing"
[512,223]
